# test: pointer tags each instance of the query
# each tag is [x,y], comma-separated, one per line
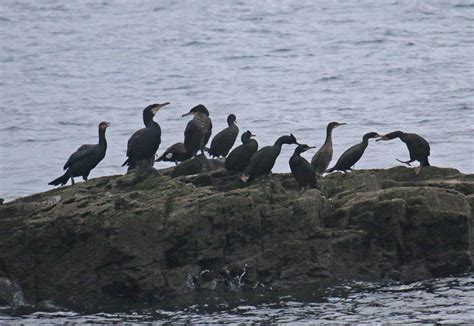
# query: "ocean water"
[443,301]
[280,66]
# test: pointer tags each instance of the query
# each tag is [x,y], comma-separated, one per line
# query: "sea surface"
[280,66]
[444,301]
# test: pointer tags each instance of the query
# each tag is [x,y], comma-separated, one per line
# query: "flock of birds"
[246,159]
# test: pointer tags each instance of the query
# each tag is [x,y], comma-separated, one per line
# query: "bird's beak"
[309,147]
[107,124]
[381,137]
[341,124]
[252,135]
[186,114]
[159,106]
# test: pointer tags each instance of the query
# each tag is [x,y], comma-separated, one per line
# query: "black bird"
[240,156]
[302,169]
[353,154]
[82,161]
[323,156]
[144,143]
[175,153]
[262,162]
[225,139]
[418,148]
[198,131]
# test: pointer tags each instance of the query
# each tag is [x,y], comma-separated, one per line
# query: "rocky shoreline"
[150,236]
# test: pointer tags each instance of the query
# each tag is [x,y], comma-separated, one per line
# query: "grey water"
[444,301]
[280,66]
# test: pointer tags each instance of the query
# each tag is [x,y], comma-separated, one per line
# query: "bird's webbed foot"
[405,162]
[72,181]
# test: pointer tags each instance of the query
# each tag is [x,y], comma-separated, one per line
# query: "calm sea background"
[280,66]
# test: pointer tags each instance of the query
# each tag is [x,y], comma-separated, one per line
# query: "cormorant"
[225,139]
[418,148]
[198,131]
[353,154]
[239,158]
[82,161]
[301,169]
[175,153]
[323,156]
[144,143]
[262,162]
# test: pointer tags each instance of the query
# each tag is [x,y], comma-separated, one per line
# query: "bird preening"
[246,161]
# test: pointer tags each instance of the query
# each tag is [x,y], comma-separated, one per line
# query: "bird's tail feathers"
[62,180]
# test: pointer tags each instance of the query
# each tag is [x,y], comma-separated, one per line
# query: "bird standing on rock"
[225,139]
[323,156]
[82,161]
[262,162]
[198,131]
[239,158]
[418,148]
[350,157]
[302,169]
[144,143]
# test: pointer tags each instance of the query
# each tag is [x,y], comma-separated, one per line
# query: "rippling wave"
[446,301]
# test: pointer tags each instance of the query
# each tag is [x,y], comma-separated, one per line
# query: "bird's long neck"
[328,140]
[365,142]
[402,136]
[102,141]
[148,120]
[296,154]
[278,148]
[280,141]
[278,145]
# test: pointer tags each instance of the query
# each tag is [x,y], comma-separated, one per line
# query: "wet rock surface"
[147,235]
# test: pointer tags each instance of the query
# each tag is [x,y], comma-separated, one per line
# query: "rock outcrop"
[149,236]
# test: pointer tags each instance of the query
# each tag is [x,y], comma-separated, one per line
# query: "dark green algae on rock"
[150,236]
